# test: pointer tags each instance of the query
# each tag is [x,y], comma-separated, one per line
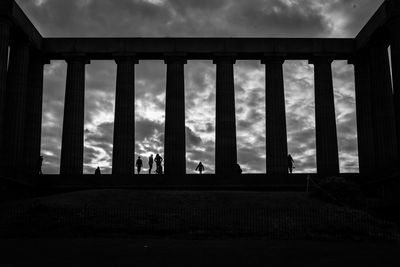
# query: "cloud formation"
[206,18]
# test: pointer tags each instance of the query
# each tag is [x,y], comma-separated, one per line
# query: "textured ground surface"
[120,198]
[189,215]
[128,252]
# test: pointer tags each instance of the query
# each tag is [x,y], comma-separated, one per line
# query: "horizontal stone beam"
[10,10]
[22,21]
[385,13]
[198,48]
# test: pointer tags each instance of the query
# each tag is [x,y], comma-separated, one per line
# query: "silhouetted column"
[4,42]
[276,137]
[33,121]
[365,133]
[124,122]
[382,109]
[174,140]
[325,119]
[395,54]
[73,124]
[14,120]
[225,121]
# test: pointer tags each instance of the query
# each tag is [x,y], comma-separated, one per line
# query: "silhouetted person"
[39,165]
[150,163]
[238,169]
[158,159]
[200,168]
[97,172]
[290,163]
[139,164]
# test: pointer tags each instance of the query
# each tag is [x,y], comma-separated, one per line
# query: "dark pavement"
[128,252]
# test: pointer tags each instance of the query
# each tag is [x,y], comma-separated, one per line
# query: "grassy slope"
[166,199]
[272,215]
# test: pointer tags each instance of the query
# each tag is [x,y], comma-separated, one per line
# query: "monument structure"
[377,99]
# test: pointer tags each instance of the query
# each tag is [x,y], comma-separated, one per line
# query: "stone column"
[4,42]
[124,122]
[174,140]
[383,109]
[73,124]
[325,119]
[395,55]
[225,128]
[33,119]
[276,137]
[14,120]
[365,133]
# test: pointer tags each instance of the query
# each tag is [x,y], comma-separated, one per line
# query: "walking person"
[139,164]
[151,163]
[290,164]
[200,168]
[158,159]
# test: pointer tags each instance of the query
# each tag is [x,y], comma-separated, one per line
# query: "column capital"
[45,61]
[76,58]
[321,59]
[393,26]
[5,21]
[175,58]
[125,57]
[21,40]
[39,57]
[358,57]
[392,23]
[353,60]
[40,60]
[378,42]
[273,59]
[227,58]
[6,7]
[394,7]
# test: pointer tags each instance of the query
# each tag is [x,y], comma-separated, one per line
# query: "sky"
[200,18]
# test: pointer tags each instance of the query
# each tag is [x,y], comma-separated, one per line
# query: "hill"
[189,214]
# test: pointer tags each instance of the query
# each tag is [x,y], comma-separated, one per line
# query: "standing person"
[290,163]
[150,163]
[200,168]
[97,172]
[39,165]
[139,164]
[158,159]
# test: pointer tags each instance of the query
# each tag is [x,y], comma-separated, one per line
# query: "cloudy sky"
[200,18]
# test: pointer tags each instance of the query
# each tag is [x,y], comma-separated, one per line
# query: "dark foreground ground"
[115,227]
[120,213]
[128,252]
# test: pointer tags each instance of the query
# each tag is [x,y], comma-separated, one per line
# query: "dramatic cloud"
[206,18]
[200,18]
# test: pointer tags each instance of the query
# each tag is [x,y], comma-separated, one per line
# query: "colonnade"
[175,149]
[23,118]
[377,107]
